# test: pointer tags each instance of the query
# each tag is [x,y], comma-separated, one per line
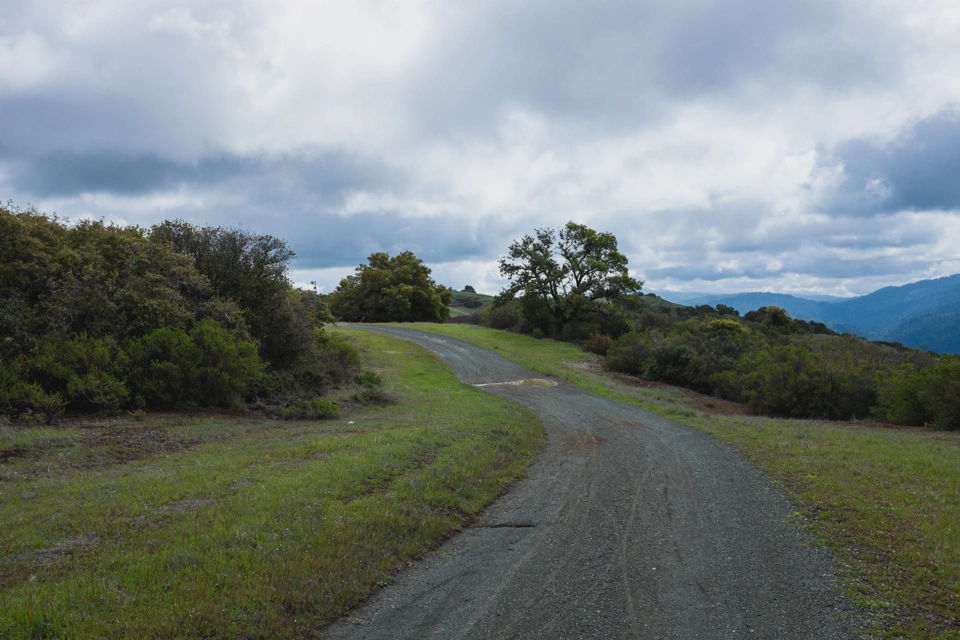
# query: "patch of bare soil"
[102,443]
[12,452]
[129,443]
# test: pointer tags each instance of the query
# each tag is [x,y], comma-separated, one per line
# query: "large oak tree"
[566,274]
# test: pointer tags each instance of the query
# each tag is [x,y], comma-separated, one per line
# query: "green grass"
[229,526]
[886,500]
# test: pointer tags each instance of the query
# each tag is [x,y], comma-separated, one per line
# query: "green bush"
[377,397]
[162,364]
[99,317]
[899,397]
[925,396]
[598,344]
[502,315]
[30,398]
[793,382]
[208,367]
[227,366]
[368,379]
[630,353]
[99,390]
[671,361]
[784,381]
[86,371]
[397,289]
[941,392]
[340,361]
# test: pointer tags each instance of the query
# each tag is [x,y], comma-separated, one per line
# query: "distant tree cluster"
[397,289]
[105,317]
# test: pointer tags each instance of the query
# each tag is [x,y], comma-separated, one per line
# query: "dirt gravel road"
[628,525]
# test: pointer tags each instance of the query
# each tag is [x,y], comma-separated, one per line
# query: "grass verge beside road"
[230,526]
[887,500]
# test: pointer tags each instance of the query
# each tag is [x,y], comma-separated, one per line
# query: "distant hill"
[654,301]
[743,302]
[694,298]
[682,297]
[923,314]
[466,302]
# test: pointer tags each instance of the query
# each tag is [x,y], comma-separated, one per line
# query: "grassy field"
[887,500]
[231,526]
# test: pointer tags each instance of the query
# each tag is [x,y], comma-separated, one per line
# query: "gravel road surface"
[628,525]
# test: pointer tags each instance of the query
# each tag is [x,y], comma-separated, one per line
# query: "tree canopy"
[397,289]
[563,275]
[251,271]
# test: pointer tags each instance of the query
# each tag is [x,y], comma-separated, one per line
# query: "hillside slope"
[466,302]
[923,314]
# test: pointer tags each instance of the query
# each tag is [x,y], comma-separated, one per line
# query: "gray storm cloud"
[744,144]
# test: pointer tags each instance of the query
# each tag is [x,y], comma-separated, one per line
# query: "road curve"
[628,525]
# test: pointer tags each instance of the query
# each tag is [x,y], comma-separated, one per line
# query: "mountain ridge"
[923,314]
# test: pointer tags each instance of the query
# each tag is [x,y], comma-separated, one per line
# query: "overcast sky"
[744,145]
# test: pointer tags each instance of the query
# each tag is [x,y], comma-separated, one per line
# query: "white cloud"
[703,135]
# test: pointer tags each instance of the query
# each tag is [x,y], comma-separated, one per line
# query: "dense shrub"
[786,367]
[691,354]
[598,344]
[940,392]
[91,278]
[172,369]
[368,379]
[86,372]
[899,397]
[503,315]
[793,382]
[250,270]
[332,363]
[377,397]
[927,396]
[97,317]
[629,354]
[18,397]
